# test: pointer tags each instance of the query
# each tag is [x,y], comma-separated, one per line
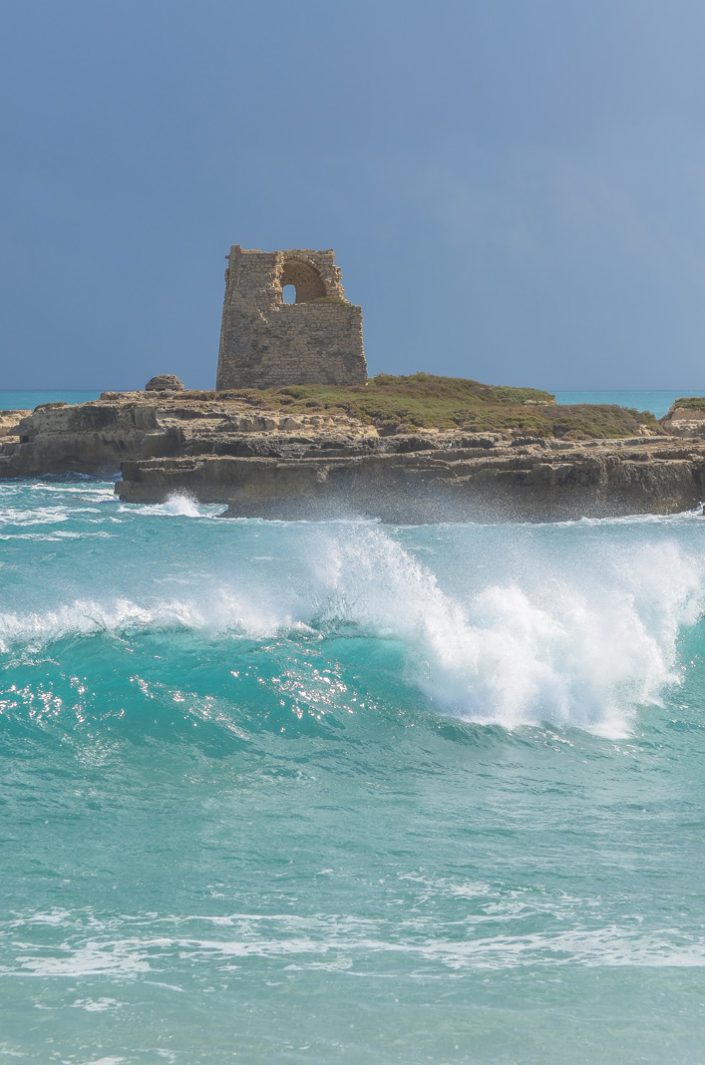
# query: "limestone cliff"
[9,423]
[229,448]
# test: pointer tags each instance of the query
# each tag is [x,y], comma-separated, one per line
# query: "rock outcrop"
[685,418]
[164,382]
[437,480]
[228,448]
[10,422]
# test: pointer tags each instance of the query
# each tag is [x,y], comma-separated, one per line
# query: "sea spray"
[574,626]
[582,651]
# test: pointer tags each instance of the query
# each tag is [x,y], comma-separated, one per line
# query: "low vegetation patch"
[424,401]
[689,403]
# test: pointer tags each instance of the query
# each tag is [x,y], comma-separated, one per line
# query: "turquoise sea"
[29,399]
[287,792]
[656,401]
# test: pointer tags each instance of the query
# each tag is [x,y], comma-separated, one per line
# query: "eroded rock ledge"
[218,447]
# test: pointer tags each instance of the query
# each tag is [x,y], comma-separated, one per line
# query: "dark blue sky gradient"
[516,191]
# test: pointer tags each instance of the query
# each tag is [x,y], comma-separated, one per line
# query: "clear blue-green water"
[344,792]
[28,400]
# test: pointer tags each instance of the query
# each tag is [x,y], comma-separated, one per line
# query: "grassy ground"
[690,403]
[423,401]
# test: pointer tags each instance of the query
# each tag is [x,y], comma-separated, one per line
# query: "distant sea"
[656,401]
[27,400]
[338,792]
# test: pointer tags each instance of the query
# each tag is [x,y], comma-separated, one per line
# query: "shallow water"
[346,792]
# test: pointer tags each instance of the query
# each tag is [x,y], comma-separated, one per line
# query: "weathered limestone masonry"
[265,342]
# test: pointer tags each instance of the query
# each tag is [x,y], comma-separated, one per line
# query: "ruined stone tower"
[266,341]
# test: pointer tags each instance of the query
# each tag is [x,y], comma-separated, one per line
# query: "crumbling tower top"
[286,321]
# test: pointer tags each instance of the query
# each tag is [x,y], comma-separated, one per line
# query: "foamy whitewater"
[346,792]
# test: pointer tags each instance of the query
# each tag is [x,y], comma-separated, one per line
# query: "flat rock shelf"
[502,454]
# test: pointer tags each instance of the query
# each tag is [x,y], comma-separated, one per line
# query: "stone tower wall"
[265,342]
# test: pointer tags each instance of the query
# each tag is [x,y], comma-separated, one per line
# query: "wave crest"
[581,647]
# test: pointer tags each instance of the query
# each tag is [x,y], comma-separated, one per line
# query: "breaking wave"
[579,642]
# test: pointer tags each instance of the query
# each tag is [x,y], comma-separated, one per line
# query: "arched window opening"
[289,293]
[304,278]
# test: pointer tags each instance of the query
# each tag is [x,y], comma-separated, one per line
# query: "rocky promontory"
[402,449]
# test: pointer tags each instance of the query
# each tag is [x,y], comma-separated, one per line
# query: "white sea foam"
[99,490]
[182,506]
[85,617]
[34,516]
[299,944]
[573,931]
[576,647]
[177,506]
[584,651]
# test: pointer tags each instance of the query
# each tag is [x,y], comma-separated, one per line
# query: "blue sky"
[515,190]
